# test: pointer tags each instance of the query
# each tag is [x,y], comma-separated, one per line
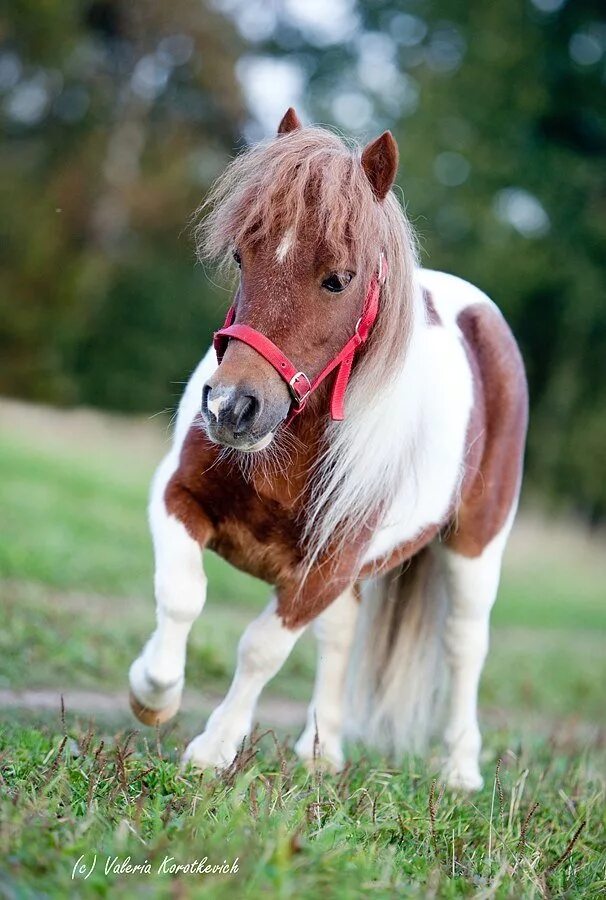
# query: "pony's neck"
[367,454]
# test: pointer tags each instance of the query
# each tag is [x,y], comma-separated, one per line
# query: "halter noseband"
[299,384]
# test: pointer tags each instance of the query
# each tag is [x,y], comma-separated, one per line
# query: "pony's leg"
[472,585]
[156,676]
[262,650]
[321,741]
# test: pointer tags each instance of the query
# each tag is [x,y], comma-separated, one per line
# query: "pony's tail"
[396,680]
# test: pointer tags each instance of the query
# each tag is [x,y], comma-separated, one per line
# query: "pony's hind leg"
[156,676]
[321,742]
[472,586]
[262,650]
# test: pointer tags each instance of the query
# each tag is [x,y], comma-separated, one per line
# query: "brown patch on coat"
[496,433]
[254,521]
[431,313]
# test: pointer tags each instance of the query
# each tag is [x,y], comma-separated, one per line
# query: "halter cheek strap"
[299,384]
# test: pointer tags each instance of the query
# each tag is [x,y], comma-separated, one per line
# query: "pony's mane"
[279,184]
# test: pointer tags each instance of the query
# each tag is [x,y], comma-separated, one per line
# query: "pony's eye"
[237,259]
[337,282]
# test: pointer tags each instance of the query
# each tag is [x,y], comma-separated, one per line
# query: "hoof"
[325,764]
[323,756]
[152,717]
[463,778]
[205,753]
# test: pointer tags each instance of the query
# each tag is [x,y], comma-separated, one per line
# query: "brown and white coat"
[439,441]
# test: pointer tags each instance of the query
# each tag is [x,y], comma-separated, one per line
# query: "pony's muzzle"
[235,416]
[230,409]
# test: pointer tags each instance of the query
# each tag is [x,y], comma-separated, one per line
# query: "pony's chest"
[260,537]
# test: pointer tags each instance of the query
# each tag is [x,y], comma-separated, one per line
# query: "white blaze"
[285,245]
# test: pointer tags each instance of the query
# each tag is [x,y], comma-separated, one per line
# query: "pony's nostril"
[204,403]
[245,412]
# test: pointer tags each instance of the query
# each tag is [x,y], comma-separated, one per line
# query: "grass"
[70,794]
[75,588]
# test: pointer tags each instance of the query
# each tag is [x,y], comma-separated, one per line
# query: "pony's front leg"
[321,742]
[262,650]
[472,586]
[156,676]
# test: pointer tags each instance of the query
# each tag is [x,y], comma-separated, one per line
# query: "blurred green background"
[117,116]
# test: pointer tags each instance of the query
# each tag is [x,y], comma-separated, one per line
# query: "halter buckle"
[299,398]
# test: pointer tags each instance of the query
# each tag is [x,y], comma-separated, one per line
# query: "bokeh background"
[116,117]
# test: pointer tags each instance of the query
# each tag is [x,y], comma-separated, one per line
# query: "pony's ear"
[380,162]
[290,122]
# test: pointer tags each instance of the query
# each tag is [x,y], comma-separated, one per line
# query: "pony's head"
[305,217]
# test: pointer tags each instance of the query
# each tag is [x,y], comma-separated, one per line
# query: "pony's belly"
[421,508]
[397,542]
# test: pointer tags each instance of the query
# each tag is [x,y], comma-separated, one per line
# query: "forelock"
[309,178]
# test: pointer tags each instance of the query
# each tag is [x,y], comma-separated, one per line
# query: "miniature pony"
[355,438]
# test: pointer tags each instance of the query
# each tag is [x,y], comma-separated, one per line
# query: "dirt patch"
[275,711]
[567,734]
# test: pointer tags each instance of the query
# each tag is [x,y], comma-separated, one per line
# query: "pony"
[354,437]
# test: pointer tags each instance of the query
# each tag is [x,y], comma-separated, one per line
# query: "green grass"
[75,589]
[73,523]
[69,794]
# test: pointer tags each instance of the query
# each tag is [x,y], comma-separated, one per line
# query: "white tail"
[396,679]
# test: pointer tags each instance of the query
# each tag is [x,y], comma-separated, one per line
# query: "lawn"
[75,588]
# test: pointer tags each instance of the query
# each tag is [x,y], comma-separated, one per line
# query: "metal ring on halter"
[299,399]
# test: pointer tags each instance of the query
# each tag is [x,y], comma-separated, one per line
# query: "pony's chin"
[246,448]
[259,445]
[241,445]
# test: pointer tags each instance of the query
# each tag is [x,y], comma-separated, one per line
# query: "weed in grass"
[72,792]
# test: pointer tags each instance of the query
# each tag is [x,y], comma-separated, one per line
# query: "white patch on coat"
[451,295]
[472,587]
[285,245]
[156,676]
[427,409]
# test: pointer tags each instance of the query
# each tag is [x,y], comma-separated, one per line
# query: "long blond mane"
[268,188]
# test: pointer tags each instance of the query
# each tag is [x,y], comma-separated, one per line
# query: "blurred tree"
[116,118]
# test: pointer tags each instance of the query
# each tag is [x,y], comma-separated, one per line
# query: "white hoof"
[327,756]
[208,752]
[153,701]
[462,775]
[329,765]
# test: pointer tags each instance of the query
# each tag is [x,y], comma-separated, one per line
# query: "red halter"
[299,384]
